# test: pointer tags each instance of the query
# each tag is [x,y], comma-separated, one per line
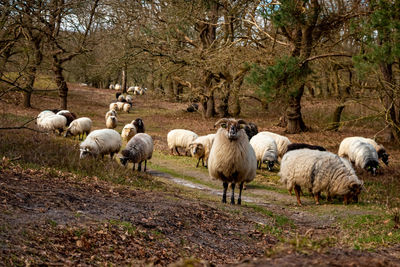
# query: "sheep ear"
[242,121]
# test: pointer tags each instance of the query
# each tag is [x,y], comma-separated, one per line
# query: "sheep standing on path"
[180,138]
[201,147]
[266,150]
[232,159]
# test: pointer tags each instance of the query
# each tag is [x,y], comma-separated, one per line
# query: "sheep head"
[196,148]
[232,127]
[383,155]
[354,190]
[85,152]
[372,166]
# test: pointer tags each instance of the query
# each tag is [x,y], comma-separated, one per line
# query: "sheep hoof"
[239,202]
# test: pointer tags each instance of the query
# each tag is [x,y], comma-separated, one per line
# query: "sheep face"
[232,128]
[133,154]
[354,191]
[67,133]
[196,149]
[123,160]
[270,164]
[85,152]
[372,166]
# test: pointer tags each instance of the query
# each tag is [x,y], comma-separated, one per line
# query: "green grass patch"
[279,220]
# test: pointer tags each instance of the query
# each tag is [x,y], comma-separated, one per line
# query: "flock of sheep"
[232,154]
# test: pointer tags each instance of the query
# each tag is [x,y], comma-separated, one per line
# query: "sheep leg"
[240,193]
[198,163]
[297,190]
[233,194]
[112,155]
[225,184]
[172,151]
[133,168]
[177,151]
[202,160]
[139,167]
[145,165]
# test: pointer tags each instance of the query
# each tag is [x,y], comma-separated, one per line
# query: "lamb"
[201,147]
[128,132]
[111,113]
[139,125]
[180,138]
[295,146]
[101,142]
[251,129]
[380,149]
[70,116]
[52,123]
[79,127]
[232,158]
[282,142]
[127,107]
[138,149]
[111,122]
[266,150]
[362,154]
[319,171]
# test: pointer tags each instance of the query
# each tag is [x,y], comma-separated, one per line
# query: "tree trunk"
[293,113]
[223,107]
[27,99]
[337,114]
[61,84]
[124,79]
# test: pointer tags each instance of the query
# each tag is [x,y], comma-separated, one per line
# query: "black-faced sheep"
[295,146]
[362,154]
[201,147]
[180,138]
[251,129]
[138,149]
[79,127]
[232,159]
[139,125]
[101,142]
[319,171]
[266,150]
[70,116]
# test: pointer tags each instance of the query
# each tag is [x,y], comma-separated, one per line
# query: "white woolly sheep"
[362,155]
[70,116]
[79,127]
[101,142]
[111,113]
[117,86]
[281,141]
[319,171]
[131,89]
[380,149]
[53,123]
[43,114]
[180,138]
[111,122]
[111,86]
[266,150]
[232,159]
[129,99]
[201,147]
[121,98]
[120,105]
[128,132]
[113,106]
[126,107]
[138,149]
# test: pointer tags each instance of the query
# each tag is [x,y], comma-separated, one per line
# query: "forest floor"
[57,210]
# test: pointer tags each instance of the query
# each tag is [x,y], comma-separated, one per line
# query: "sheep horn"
[242,121]
[221,121]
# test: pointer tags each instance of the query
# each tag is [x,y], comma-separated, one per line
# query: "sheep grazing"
[201,147]
[281,141]
[294,146]
[43,114]
[114,106]
[79,127]
[362,154]
[126,107]
[128,132]
[129,99]
[139,125]
[180,138]
[111,122]
[131,89]
[319,171]
[121,98]
[101,142]
[266,150]
[120,105]
[232,159]
[48,122]
[70,116]
[117,94]
[251,130]
[380,149]
[138,149]
[111,113]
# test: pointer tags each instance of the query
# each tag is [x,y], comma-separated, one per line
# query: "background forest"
[213,52]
